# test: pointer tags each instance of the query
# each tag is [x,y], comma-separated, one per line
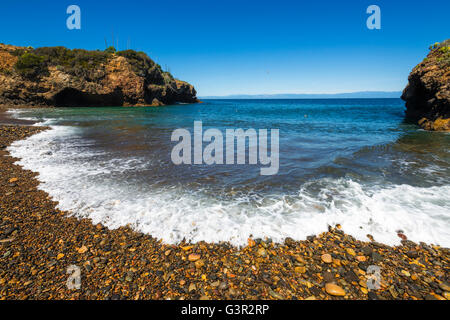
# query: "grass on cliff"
[34,63]
[442,52]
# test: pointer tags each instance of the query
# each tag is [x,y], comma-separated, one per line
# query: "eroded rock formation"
[427,94]
[56,76]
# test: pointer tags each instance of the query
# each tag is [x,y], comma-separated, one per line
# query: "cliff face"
[56,76]
[427,94]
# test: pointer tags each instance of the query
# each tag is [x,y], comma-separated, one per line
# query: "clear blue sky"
[248,47]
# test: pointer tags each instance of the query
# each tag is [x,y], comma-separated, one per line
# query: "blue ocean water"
[349,161]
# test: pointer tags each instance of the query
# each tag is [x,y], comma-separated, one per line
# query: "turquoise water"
[348,161]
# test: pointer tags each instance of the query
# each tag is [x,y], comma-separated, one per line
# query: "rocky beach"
[39,242]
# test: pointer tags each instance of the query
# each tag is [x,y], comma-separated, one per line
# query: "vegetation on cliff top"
[34,63]
[441,51]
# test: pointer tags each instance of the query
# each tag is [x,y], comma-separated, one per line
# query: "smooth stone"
[393,293]
[412,254]
[128,278]
[430,297]
[334,290]
[199,263]
[289,242]
[361,258]
[439,297]
[351,276]
[223,286]
[372,295]
[444,286]
[300,260]
[192,287]
[193,257]
[367,250]
[406,273]
[376,257]
[262,252]
[275,295]
[300,269]
[83,249]
[350,251]
[328,277]
[327,258]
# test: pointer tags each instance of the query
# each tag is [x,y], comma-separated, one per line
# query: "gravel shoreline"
[39,242]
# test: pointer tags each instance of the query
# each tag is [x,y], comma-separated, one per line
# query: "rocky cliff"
[427,94]
[56,76]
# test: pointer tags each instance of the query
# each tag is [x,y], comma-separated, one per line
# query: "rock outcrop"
[427,94]
[56,76]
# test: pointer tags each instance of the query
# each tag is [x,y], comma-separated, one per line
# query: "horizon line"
[363,94]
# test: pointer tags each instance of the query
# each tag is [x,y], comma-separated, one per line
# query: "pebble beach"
[38,243]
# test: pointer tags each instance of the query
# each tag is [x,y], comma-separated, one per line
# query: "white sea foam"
[85,189]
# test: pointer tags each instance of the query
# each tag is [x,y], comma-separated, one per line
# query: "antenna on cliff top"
[112,33]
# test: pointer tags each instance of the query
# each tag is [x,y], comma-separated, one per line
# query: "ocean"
[353,162]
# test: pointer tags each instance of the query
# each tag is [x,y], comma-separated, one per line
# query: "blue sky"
[248,47]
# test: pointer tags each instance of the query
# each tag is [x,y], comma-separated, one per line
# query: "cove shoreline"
[38,242]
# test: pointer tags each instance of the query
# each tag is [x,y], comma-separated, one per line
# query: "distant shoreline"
[350,95]
[225,98]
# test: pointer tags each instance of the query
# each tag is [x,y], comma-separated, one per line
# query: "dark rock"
[376,257]
[9,231]
[412,254]
[289,242]
[367,250]
[427,94]
[115,297]
[351,276]
[328,277]
[363,265]
[372,295]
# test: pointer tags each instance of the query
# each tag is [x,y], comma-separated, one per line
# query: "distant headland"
[60,77]
[349,95]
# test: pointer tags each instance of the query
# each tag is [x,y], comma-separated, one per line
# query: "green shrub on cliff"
[444,53]
[30,65]
[138,60]
[444,49]
[440,53]
[34,63]
[71,59]
[110,50]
